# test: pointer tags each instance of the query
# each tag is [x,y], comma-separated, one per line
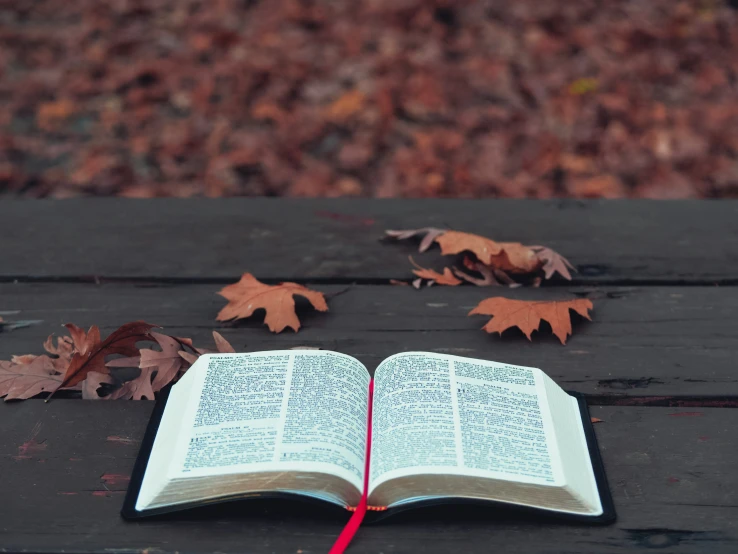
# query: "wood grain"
[614,242]
[672,474]
[642,342]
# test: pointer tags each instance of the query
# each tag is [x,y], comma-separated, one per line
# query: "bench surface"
[657,363]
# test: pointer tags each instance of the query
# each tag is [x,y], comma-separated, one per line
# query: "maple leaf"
[91,351]
[249,295]
[447,278]
[553,262]
[527,315]
[28,377]
[429,235]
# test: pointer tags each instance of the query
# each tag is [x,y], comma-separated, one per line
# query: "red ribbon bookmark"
[344,539]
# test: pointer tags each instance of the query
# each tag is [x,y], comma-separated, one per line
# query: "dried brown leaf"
[63,348]
[91,351]
[447,278]
[429,235]
[136,389]
[508,256]
[188,356]
[92,383]
[24,380]
[222,345]
[553,262]
[249,295]
[167,362]
[527,315]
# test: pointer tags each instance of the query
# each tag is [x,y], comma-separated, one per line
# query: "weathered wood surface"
[662,334]
[642,342]
[65,466]
[610,241]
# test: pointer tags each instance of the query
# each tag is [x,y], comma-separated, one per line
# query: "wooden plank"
[66,466]
[642,342]
[610,241]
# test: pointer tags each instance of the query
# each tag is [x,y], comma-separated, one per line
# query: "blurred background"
[381,98]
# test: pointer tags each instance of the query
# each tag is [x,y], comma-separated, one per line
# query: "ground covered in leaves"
[369,97]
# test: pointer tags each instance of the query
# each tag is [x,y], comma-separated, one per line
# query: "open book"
[298,421]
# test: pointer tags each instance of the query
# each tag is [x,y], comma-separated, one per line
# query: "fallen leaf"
[63,348]
[494,260]
[553,262]
[189,356]
[429,235]
[507,256]
[249,295]
[84,342]
[25,380]
[347,105]
[50,114]
[161,367]
[491,277]
[166,362]
[527,315]
[91,352]
[23,359]
[135,389]
[596,420]
[447,278]
[93,382]
[222,345]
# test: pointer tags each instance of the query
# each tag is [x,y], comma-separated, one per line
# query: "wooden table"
[658,363]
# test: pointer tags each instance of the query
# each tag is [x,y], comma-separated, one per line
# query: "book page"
[438,414]
[275,411]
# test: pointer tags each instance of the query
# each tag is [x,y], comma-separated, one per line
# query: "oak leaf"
[135,389]
[63,349]
[249,295]
[447,278]
[91,351]
[28,376]
[161,367]
[527,315]
[222,346]
[92,384]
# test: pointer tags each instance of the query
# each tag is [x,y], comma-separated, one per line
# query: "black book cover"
[129,505]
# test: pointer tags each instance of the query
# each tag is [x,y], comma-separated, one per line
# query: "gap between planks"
[365,281]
